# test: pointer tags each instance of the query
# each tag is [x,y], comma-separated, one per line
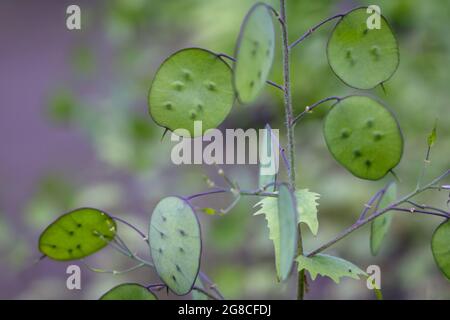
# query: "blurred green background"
[75,131]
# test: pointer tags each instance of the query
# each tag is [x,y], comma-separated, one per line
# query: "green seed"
[187,74]
[178,85]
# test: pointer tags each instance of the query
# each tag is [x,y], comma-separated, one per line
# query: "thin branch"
[114,244]
[117,239]
[424,206]
[212,286]
[378,213]
[285,159]
[310,31]
[310,108]
[273,84]
[257,192]
[144,237]
[396,177]
[369,204]
[275,12]
[231,205]
[206,193]
[425,165]
[156,286]
[123,250]
[414,210]
[115,272]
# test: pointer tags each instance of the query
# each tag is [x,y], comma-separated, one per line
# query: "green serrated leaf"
[380,226]
[77,234]
[282,228]
[307,209]
[254,53]
[362,57]
[440,246]
[268,159]
[175,240]
[191,85]
[129,291]
[364,137]
[432,137]
[329,266]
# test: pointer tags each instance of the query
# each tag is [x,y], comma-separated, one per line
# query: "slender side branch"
[414,210]
[285,160]
[212,286]
[425,165]
[273,84]
[378,213]
[115,272]
[131,226]
[257,192]
[369,204]
[310,31]
[206,193]
[310,108]
[424,206]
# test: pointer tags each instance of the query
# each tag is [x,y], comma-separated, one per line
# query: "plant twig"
[414,210]
[212,286]
[273,84]
[115,272]
[144,237]
[369,204]
[378,213]
[424,206]
[310,31]
[257,192]
[310,108]
[206,193]
[425,165]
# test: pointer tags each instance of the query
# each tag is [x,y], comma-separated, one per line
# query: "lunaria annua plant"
[361,133]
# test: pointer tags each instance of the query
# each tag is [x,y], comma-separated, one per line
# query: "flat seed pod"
[191,85]
[175,243]
[129,291]
[77,234]
[268,159]
[364,137]
[440,246]
[287,214]
[254,53]
[362,57]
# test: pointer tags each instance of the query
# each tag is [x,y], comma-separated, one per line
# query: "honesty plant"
[361,133]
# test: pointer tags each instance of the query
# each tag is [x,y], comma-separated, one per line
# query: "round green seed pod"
[129,291]
[191,85]
[440,246]
[362,57]
[77,234]
[363,136]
